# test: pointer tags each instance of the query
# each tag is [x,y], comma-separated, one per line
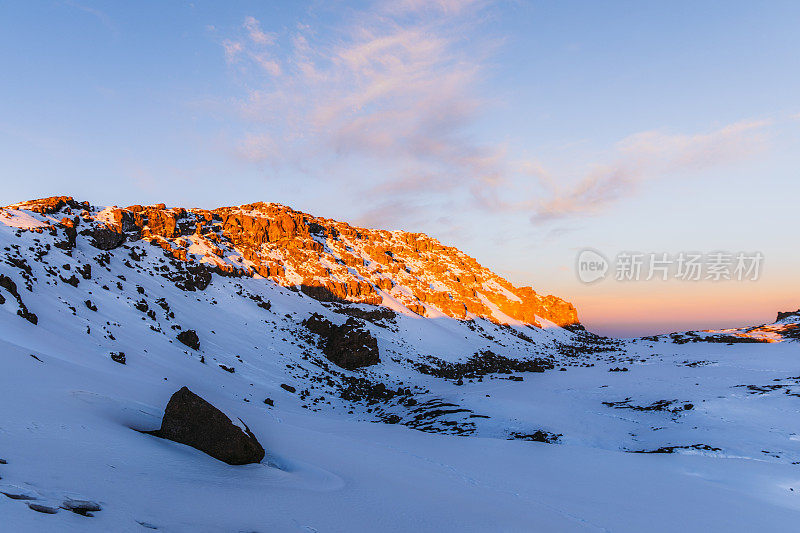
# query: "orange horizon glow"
[644,308]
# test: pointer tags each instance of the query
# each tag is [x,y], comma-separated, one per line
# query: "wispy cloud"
[232,50]
[256,34]
[256,47]
[101,16]
[397,84]
[644,156]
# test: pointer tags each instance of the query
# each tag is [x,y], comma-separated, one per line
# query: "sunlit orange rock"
[323,258]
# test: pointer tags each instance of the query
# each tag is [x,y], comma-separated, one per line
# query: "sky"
[520,132]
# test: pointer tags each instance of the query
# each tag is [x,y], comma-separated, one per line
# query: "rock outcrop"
[324,259]
[106,238]
[788,314]
[349,345]
[189,419]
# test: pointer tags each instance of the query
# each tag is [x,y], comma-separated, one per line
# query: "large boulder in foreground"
[189,419]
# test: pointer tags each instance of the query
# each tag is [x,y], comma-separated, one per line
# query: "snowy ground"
[729,414]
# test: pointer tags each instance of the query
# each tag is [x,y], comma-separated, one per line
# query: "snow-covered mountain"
[492,408]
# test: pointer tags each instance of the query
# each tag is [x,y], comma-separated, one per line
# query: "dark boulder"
[349,346]
[190,339]
[106,238]
[189,419]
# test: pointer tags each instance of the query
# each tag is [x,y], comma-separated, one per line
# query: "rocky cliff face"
[323,258]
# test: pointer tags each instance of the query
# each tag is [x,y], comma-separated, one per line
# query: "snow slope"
[453,455]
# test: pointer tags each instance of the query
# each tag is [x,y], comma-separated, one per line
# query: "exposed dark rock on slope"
[190,339]
[349,346]
[8,284]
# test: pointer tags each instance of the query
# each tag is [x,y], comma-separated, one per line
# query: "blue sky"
[520,132]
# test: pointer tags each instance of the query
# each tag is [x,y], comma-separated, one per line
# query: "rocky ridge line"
[323,258]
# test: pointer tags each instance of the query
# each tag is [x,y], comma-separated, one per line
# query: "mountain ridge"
[326,259]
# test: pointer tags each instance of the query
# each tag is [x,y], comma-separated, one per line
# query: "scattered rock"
[480,364]
[288,388]
[41,508]
[539,435]
[118,357]
[81,507]
[189,419]
[672,449]
[721,338]
[660,405]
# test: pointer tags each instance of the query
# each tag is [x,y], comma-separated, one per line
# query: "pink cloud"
[399,85]
[404,93]
[649,155]
[256,34]
[232,50]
